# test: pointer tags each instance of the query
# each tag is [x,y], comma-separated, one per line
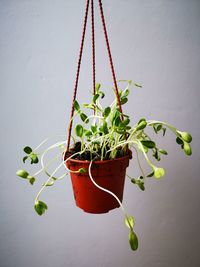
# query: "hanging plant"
[103,142]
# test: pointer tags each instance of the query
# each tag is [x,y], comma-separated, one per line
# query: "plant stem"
[171,127]
[138,160]
[109,192]
[37,196]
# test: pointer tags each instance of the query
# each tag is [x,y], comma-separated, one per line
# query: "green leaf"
[50,183]
[34,158]
[142,119]
[31,179]
[141,185]
[117,121]
[185,136]
[150,174]
[148,143]
[91,106]
[94,128]
[27,150]
[40,207]
[124,123]
[105,128]
[115,114]
[179,141]
[141,124]
[76,106]
[156,155]
[124,100]
[95,97]
[164,131]
[106,112]
[82,170]
[129,222]
[155,129]
[25,158]
[88,133]
[97,86]
[187,149]
[158,127]
[128,127]
[84,118]
[158,172]
[162,151]
[138,85]
[22,173]
[133,180]
[102,94]
[133,240]
[79,130]
[126,93]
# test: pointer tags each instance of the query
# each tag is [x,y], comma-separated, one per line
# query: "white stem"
[64,161]
[105,190]
[44,168]
[44,141]
[42,157]
[138,160]
[47,181]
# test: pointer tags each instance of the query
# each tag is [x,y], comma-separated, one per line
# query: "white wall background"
[154,42]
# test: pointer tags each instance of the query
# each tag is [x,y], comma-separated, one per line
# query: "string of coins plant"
[105,135]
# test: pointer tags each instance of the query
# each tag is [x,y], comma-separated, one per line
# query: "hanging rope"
[93,51]
[77,74]
[93,62]
[110,57]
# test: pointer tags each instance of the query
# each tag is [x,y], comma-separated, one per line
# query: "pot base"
[109,174]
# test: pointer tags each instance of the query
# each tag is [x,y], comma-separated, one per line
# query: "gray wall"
[154,42]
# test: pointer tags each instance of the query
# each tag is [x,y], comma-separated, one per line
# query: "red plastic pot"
[109,174]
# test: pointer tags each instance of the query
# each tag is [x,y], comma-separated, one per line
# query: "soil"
[87,155]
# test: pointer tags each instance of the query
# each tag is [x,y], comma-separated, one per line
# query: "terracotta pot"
[109,174]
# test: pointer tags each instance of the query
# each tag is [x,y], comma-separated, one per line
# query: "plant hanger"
[98,160]
[88,2]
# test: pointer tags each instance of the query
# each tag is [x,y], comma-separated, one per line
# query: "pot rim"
[129,155]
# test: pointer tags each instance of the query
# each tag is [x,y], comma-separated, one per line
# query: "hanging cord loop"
[93,51]
[110,58]
[93,62]
[77,74]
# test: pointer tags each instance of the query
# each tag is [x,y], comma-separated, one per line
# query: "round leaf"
[162,151]
[34,159]
[82,170]
[141,125]
[158,172]
[124,100]
[106,112]
[27,150]
[22,173]
[187,149]
[40,207]
[95,97]
[25,158]
[84,118]
[105,127]
[79,130]
[185,136]
[148,143]
[126,93]
[133,240]
[31,179]
[76,105]
[179,141]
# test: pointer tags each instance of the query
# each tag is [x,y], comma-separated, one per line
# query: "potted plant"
[103,144]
